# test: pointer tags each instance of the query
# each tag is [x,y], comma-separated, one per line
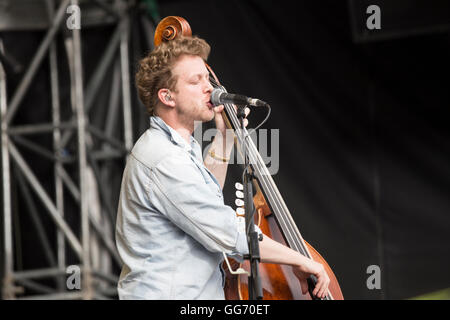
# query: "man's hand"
[220,122]
[274,252]
[310,267]
[222,146]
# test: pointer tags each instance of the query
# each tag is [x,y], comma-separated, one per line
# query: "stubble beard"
[195,114]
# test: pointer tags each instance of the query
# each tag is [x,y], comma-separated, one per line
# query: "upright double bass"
[272,215]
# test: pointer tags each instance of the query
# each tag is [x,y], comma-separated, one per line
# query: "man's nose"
[209,87]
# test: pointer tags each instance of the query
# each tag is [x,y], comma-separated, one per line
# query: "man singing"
[172,224]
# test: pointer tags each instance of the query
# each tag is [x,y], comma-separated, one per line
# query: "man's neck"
[184,130]
[184,133]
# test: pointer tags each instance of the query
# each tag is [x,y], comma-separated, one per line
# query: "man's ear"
[165,97]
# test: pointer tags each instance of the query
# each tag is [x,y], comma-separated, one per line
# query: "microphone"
[219,96]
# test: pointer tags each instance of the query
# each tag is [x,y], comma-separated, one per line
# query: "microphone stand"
[254,280]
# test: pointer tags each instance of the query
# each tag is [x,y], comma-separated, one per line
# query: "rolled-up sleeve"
[195,204]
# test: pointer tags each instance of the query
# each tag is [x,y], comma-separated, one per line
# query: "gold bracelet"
[212,153]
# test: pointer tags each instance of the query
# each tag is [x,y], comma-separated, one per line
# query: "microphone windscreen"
[215,96]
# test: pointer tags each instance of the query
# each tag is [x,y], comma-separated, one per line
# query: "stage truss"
[94,245]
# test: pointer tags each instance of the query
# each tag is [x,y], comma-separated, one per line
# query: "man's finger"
[247,111]
[322,288]
[318,288]
[219,108]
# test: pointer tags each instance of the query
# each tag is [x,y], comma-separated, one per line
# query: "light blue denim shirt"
[172,223]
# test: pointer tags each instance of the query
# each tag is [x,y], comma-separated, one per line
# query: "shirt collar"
[159,124]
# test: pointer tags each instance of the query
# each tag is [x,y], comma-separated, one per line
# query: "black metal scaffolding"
[94,246]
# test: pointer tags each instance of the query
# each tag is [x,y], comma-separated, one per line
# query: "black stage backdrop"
[364,154]
[363,130]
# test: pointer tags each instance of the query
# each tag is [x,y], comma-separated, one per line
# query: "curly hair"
[155,70]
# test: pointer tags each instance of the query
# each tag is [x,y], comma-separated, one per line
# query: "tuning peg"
[240,194]
[240,211]
[239,186]
[239,202]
